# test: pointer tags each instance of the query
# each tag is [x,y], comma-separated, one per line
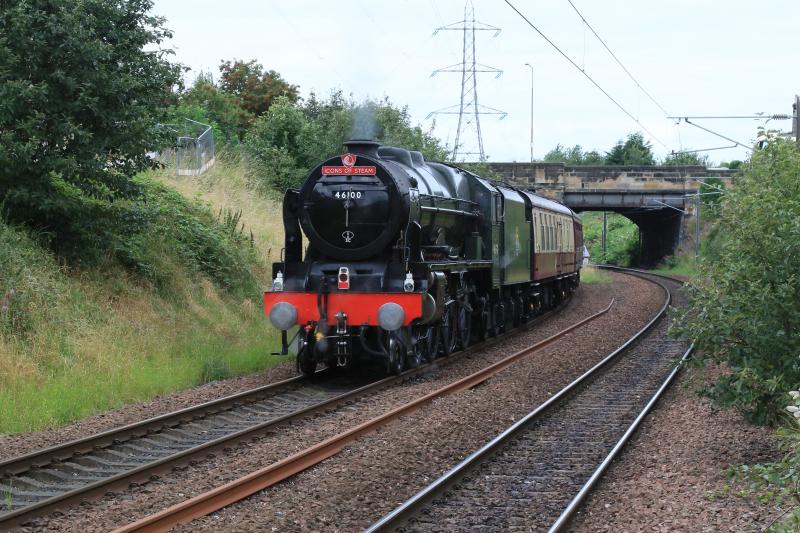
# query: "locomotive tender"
[410,259]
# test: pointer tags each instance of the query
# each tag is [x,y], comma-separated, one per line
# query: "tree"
[732,164]
[255,89]
[686,159]
[593,157]
[288,140]
[81,89]
[745,310]
[221,108]
[393,127]
[573,156]
[634,151]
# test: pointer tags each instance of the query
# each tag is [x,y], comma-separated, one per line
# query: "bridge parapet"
[549,176]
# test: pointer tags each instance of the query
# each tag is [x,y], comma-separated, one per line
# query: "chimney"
[365,147]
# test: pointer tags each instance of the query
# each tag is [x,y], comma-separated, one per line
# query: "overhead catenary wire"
[574,64]
[735,142]
[639,85]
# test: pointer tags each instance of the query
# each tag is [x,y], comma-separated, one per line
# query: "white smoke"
[365,126]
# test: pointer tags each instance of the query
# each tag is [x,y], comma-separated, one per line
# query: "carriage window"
[557,231]
[541,233]
[571,237]
[546,234]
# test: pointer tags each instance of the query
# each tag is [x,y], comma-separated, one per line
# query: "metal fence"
[194,150]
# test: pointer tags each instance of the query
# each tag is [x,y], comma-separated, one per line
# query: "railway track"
[535,474]
[46,480]
[240,488]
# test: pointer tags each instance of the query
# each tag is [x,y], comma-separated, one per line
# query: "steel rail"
[145,471]
[641,272]
[401,514]
[38,458]
[569,512]
[241,488]
[68,450]
[574,505]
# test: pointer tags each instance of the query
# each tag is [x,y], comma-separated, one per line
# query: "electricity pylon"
[468,110]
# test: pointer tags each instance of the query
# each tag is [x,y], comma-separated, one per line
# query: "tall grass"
[591,274]
[79,341]
[679,265]
[230,187]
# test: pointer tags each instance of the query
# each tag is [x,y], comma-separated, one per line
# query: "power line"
[778,116]
[639,85]
[585,74]
[696,125]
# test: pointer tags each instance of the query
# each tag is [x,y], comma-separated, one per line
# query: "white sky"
[696,57]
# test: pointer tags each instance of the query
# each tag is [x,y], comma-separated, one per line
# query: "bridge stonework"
[662,201]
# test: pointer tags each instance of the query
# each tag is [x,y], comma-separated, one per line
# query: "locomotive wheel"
[463,326]
[448,329]
[512,313]
[305,362]
[394,363]
[482,321]
[418,348]
[499,318]
[524,307]
[432,343]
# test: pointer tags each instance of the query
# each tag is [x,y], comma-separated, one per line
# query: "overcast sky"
[695,57]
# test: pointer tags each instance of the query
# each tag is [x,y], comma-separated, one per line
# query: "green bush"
[164,233]
[31,284]
[745,310]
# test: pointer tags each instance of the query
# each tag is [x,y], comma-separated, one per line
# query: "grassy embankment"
[681,266]
[79,341]
[591,274]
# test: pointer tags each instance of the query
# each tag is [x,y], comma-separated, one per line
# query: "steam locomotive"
[408,260]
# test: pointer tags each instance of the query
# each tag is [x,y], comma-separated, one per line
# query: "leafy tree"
[333,119]
[746,311]
[633,151]
[255,88]
[278,145]
[395,129]
[732,164]
[221,108]
[686,159]
[81,86]
[593,157]
[288,140]
[573,156]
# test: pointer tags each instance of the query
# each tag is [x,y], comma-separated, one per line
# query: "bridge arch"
[660,231]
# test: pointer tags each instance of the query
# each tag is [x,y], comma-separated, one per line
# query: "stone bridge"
[662,201]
